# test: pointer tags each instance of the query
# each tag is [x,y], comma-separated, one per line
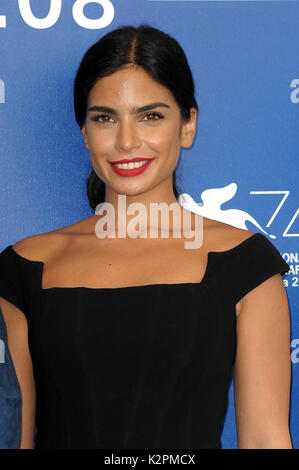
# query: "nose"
[127,139]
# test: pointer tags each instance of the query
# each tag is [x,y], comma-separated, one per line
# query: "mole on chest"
[116,267]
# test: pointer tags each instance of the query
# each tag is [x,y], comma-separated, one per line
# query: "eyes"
[153,116]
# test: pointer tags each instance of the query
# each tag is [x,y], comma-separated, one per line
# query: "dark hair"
[157,53]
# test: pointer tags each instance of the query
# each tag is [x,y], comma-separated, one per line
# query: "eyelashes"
[156,115]
[99,117]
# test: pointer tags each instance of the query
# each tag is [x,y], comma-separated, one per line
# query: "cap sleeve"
[11,287]
[254,261]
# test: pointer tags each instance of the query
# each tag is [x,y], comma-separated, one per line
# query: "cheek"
[163,138]
[100,142]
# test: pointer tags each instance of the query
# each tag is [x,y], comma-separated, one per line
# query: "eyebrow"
[135,110]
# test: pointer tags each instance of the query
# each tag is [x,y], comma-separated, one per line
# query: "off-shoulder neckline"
[84,288]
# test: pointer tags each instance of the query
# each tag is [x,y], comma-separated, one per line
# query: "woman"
[132,341]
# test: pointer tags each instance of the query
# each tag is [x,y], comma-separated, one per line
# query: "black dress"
[135,367]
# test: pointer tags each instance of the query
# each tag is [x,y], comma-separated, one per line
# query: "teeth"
[129,166]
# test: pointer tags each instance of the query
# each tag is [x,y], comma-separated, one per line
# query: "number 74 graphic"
[285,196]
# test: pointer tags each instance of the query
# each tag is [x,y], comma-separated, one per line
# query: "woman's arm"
[262,369]
[17,339]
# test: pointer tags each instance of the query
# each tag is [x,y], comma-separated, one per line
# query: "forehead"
[131,84]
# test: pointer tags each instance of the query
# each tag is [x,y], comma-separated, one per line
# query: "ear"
[84,134]
[189,129]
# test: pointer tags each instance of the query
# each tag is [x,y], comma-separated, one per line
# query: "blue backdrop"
[245,60]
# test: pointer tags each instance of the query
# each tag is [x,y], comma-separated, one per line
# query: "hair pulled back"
[161,57]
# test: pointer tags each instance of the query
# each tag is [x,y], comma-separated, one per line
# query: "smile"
[130,169]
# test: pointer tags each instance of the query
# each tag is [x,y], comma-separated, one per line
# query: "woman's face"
[116,128]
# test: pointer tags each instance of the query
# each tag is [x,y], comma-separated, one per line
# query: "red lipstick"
[128,160]
[131,171]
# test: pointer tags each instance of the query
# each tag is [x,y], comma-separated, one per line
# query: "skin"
[262,365]
[136,135]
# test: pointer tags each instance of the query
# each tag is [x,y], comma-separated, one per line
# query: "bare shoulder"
[42,246]
[222,236]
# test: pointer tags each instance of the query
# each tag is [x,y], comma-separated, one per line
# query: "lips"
[131,160]
[128,172]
